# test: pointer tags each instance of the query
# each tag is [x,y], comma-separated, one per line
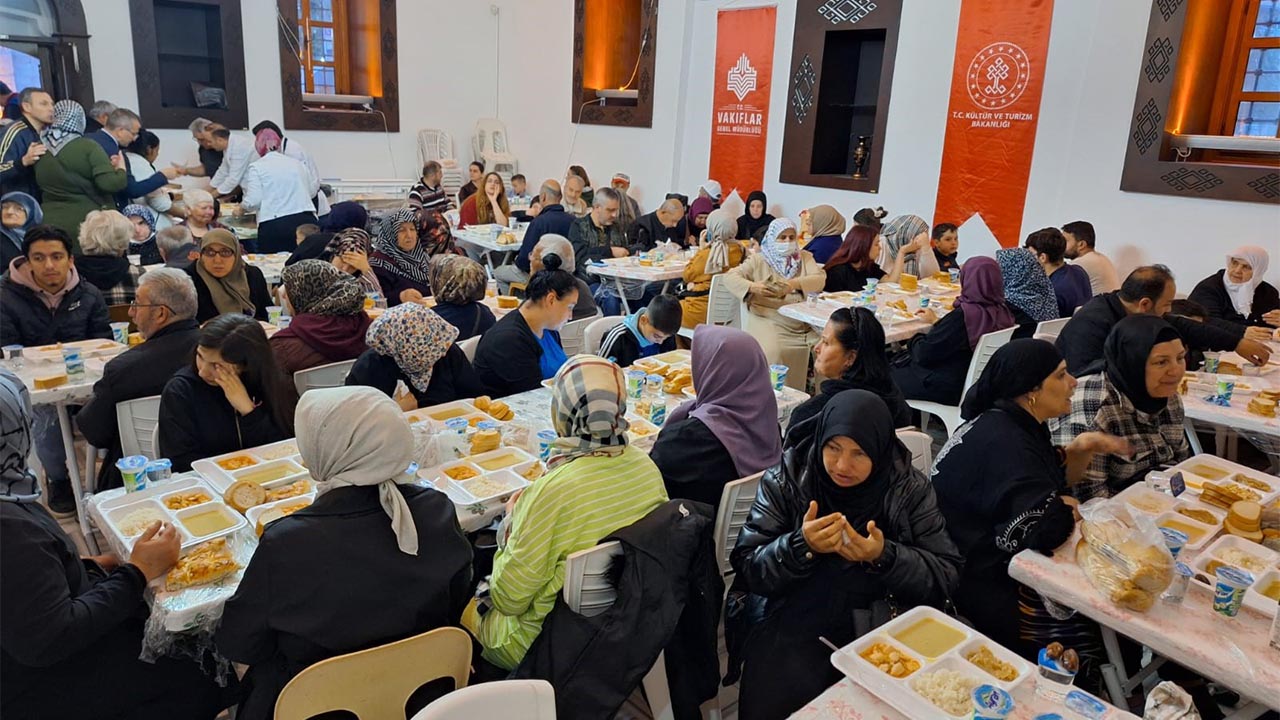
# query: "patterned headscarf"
[67,125]
[898,232]
[1026,287]
[17,482]
[588,408]
[266,141]
[722,226]
[785,265]
[316,287]
[434,234]
[141,211]
[456,279]
[348,240]
[415,337]
[411,264]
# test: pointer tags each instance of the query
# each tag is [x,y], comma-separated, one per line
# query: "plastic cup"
[133,470]
[635,383]
[120,332]
[457,425]
[778,376]
[134,259]
[546,440]
[13,353]
[1174,540]
[74,361]
[1211,361]
[1178,588]
[1225,389]
[991,703]
[273,314]
[812,298]
[955,275]
[1229,591]
[159,470]
[871,284]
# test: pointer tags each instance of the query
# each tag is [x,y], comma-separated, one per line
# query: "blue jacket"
[14,176]
[135,188]
[552,220]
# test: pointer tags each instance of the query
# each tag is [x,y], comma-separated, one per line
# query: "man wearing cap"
[710,190]
[628,208]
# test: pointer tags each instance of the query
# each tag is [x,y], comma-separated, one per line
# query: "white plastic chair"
[735,504]
[950,414]
[573,335]
[921,447]
[469,347]
[507,699]
[490,146]
[723,307]
[587,591]
[1050,329]
[322,376]
[595,333]
[138,422]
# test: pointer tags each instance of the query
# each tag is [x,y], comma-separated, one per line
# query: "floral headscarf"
[456,279]
[588,405]
[142,211]
[415,337]
[898,232]
[67,125]
[785,265]
[411,264]
[316,287]
[1026,287]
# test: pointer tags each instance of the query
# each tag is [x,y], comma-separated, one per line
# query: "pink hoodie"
[20,272]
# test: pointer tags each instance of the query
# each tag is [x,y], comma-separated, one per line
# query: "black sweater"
[452,377]
[259,294]
[892,397]
[1212,294]
[694,463]
[508,356]
[939,361]
[848,278]
[196,422]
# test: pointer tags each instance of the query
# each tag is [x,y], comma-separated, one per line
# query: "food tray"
[493,487]
[1204,462]
[649,431]
[96,347]
[673,357]
[445,411]
[1140,498]
[253,513]
[1198,534]
[898,691]
[1254,598]
[263,458]
[116,509]
[501,459]
[1269,559]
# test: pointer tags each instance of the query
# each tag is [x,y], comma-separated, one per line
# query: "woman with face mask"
[780,274]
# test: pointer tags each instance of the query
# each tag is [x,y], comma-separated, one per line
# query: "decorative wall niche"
[614,45]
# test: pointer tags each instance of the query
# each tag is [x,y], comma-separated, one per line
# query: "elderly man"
[238,153]
[20,145]
[210,159]
[559,244]
[628,208]
[552,218]
[177,248]
[99,113]
[654,228]
[119,130]
[572,200]
[164,312]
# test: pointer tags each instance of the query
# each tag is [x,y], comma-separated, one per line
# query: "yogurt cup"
[955,275]
[1085,705]
[1174,540]
[159,470]
[457,425]
[991,703]
[133,470]
[74,360]
[778,376]
[120,332]
[635,383]
[1228,592]
[546,439]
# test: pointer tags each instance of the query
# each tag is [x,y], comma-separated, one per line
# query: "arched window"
[45,45]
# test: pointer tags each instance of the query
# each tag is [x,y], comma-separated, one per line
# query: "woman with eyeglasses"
[224,282]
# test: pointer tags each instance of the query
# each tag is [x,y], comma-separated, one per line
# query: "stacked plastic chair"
[437,145]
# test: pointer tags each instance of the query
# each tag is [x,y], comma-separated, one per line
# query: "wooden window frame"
[340,65]
[1228,92]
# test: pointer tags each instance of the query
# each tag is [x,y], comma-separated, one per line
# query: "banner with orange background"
[740,103]
[996,81]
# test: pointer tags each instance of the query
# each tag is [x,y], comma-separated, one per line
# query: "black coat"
[938,363]
[812,407]
[669,595]
[1212,294]
[26,320]
[139,372]
[694,463]
[452,377]
[1081,341]
[645,234]
[196,422]
[785,596]
[70,634]
[329,579]
[259,294]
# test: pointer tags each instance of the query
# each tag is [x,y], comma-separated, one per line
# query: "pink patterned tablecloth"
[1235,652]
[847,700]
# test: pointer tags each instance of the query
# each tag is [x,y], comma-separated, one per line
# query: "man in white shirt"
[294,149]
[280,189]
[238,154]
[1080,244]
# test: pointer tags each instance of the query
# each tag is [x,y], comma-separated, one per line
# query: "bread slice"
[243,495]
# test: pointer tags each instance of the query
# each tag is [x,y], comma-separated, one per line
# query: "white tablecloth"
[271,265]
[629,268]
[1264,431]
[484,239]
[817,314]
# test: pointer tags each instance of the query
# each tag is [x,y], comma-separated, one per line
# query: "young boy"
[302,232]
[946,243]
[519,189]
[648,331]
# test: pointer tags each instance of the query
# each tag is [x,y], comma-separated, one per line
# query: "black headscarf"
[754,228]
[343,215]
[1126,352]
[863,417]
[17,482]
[1015,369]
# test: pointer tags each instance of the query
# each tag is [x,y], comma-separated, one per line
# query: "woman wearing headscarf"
[730,429]
[75,176]
[329,321]
[854,263]
[843,533]
[697,216]
[344,215]
[780,274]
[19,212]
[376,558]
[399,259]
[413,345]
[73,625]
[851,354]
[458,286]
[225,283]
[828,232]
[348,250]
[753,223]
[906,248]
[143,240]
[1003,487]
[938,361]
[1238,294]
[1027,290]
[434,233]
[559,245]
[718,252]
[595,484]
[1135,397]
[142,154]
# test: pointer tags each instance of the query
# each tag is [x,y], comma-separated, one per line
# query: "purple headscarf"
[982,299]
[735,399]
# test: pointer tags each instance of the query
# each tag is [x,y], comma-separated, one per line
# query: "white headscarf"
[358,436]
[785,265]
[1242,293]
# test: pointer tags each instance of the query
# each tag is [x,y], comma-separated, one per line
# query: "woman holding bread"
[411,344]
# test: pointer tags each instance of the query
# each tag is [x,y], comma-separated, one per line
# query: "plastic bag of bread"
[1123,554]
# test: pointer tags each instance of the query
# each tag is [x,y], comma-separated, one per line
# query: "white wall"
[1092,70]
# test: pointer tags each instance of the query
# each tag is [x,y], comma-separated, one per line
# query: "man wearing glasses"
[164,312]
[118,132]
